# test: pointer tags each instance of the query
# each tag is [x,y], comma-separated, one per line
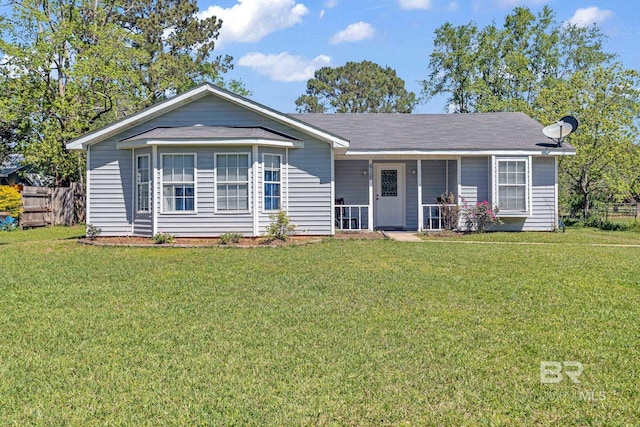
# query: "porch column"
[156,198]
[420,210]
[255,194]
[370,209]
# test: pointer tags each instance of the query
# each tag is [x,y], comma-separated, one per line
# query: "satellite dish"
[561,129]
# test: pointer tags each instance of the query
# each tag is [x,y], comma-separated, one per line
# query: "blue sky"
[278,44]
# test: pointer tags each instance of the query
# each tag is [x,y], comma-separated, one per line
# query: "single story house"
[208,161]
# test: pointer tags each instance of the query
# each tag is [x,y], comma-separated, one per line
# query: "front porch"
[393,194]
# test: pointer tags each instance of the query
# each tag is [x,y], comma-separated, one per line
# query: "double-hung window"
[513,185]
[232,182]
[142,183]
[178,182]
[272,182]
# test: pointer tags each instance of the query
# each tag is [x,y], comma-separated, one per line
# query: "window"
[232,187]
[389,183]
[142,183]
[178,182]
[272,182]
[512,185]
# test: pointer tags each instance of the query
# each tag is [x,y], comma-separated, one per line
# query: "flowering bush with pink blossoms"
[479,217]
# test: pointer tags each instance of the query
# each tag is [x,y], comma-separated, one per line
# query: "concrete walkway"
[402,236]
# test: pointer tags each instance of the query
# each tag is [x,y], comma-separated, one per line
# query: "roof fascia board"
[427,153]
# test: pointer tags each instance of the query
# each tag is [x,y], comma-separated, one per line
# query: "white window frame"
[139,183]
[194,183]
[265,182]
[527,186]
[216,182]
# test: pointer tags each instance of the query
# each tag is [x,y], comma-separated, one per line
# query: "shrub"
[280,227]
[479,217]
[10,200]
[162,238]
[93,232]
[228,238]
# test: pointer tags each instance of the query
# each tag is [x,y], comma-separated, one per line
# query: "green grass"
[339,333]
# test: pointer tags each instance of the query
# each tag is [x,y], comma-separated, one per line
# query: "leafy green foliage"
[163,238]
[93,232]
[230,238]
[280,226]
[10,200]
[356,87]
[549,69]
[72,66]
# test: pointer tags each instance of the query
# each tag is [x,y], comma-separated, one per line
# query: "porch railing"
[352,217]
[433,217]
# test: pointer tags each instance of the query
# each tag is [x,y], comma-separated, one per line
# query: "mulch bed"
[246,242]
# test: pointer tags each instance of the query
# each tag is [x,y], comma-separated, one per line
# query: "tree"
[607,101]
[71,66]
[356,87]
[504,69]
[547,70]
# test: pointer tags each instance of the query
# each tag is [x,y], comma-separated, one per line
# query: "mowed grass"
[338,333]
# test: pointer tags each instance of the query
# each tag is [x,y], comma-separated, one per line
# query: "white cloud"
[589,15]
[284,67]
[251,20]
[353,33]
[330,3]
[414,4]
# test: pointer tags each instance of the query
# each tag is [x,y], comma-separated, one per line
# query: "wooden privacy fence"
[44,206]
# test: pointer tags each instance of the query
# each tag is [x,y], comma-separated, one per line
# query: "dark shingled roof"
[435,132]
[212,132]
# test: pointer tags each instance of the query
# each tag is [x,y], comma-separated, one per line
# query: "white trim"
[419,178]
[370,209]
[198,92]
[528,184]
[286,179]
[254,191]
[156,199]
[195,184]
[492,174]
[263,209]
[87,191]
[459,178]
[415,154]
[251,177]
[134,194]
[140,143]
[135,182]
[556,214]
[333,194]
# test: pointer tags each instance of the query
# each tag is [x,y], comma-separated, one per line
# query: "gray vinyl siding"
[436,182]
[111,194]
[143,221]
[543,216]
[309,191]
[474,179]
[351,184]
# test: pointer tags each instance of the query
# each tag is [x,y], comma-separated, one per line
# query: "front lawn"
[345,332]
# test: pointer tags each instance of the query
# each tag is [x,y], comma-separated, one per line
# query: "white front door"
[389,203]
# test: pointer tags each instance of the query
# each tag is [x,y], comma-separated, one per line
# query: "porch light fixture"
[413,172]
[365,172]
